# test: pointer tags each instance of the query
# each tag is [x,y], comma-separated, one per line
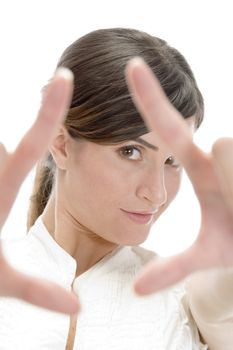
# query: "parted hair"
[102,110]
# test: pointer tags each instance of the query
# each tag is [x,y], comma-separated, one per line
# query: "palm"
[30,149]
[211,176]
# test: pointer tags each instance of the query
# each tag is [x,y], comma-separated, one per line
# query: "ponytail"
[42,188]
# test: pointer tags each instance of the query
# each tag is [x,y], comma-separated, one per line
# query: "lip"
[142,212]
[139,217]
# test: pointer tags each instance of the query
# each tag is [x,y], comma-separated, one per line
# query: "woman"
[106,178]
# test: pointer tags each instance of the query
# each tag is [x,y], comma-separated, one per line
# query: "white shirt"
[112,316]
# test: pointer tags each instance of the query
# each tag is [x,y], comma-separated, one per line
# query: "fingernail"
[135,61]
[64,73]
[140,74]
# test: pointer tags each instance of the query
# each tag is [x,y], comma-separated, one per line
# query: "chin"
[134,239]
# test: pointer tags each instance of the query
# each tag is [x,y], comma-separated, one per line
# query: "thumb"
[39,292]
[163,272]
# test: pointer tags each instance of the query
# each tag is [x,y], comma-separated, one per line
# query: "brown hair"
[102,110]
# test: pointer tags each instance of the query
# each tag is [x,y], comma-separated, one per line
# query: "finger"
[54,107]
[162,272]
[161,117]
[3,156]
[223,161]
[36,291]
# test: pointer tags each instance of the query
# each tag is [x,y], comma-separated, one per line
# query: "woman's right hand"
[14,167]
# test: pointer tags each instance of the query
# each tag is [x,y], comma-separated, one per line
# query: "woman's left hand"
[211,176]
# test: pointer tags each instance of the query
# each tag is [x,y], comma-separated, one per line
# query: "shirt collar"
[67,264]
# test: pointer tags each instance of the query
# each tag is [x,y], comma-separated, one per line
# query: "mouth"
[139,217]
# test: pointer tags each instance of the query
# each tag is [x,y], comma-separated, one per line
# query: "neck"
[84,246]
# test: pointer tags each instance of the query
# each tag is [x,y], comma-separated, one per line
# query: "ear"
[58,147]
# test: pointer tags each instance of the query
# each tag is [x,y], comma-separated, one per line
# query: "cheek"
[94,198]
[93,188]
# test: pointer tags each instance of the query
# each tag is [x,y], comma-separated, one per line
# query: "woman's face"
[104,186]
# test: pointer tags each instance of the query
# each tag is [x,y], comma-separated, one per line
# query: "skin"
[89,222]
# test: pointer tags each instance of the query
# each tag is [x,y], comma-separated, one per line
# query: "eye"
[171,161]
[131,152]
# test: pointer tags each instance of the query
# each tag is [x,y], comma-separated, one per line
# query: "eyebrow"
[147,144]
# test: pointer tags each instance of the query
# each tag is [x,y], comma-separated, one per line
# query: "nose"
[152,188]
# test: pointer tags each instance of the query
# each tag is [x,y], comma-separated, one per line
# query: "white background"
[33,34]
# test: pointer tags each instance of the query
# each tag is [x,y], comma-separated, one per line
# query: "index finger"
[161,116]
[36,140]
